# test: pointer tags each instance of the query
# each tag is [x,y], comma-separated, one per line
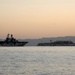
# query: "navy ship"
[11,41]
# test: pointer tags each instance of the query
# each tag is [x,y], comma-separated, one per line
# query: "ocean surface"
[37,60]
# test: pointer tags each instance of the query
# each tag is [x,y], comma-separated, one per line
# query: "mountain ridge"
[34,42]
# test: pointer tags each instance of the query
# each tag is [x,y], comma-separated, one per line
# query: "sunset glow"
[37,18]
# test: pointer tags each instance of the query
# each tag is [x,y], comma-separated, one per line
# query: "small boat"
[11,41]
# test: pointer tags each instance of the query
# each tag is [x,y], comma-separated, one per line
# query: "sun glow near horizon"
[36,19]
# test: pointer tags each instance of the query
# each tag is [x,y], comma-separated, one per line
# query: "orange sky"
[37,18]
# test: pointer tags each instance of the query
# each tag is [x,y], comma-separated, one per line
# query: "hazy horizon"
[37,18]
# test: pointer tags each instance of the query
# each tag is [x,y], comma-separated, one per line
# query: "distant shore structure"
[11,41]
[57,43]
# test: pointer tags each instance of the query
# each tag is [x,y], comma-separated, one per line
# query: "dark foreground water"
[37,60]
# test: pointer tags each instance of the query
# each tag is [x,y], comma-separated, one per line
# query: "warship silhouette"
[11,41]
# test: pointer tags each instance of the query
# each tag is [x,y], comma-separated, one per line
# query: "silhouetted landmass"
[35,42]
[58,43]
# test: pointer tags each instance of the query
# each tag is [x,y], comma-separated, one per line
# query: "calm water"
[37,60]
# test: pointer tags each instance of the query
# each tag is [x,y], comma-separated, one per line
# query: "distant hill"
[34,42]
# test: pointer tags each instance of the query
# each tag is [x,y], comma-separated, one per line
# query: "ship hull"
[2,43]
